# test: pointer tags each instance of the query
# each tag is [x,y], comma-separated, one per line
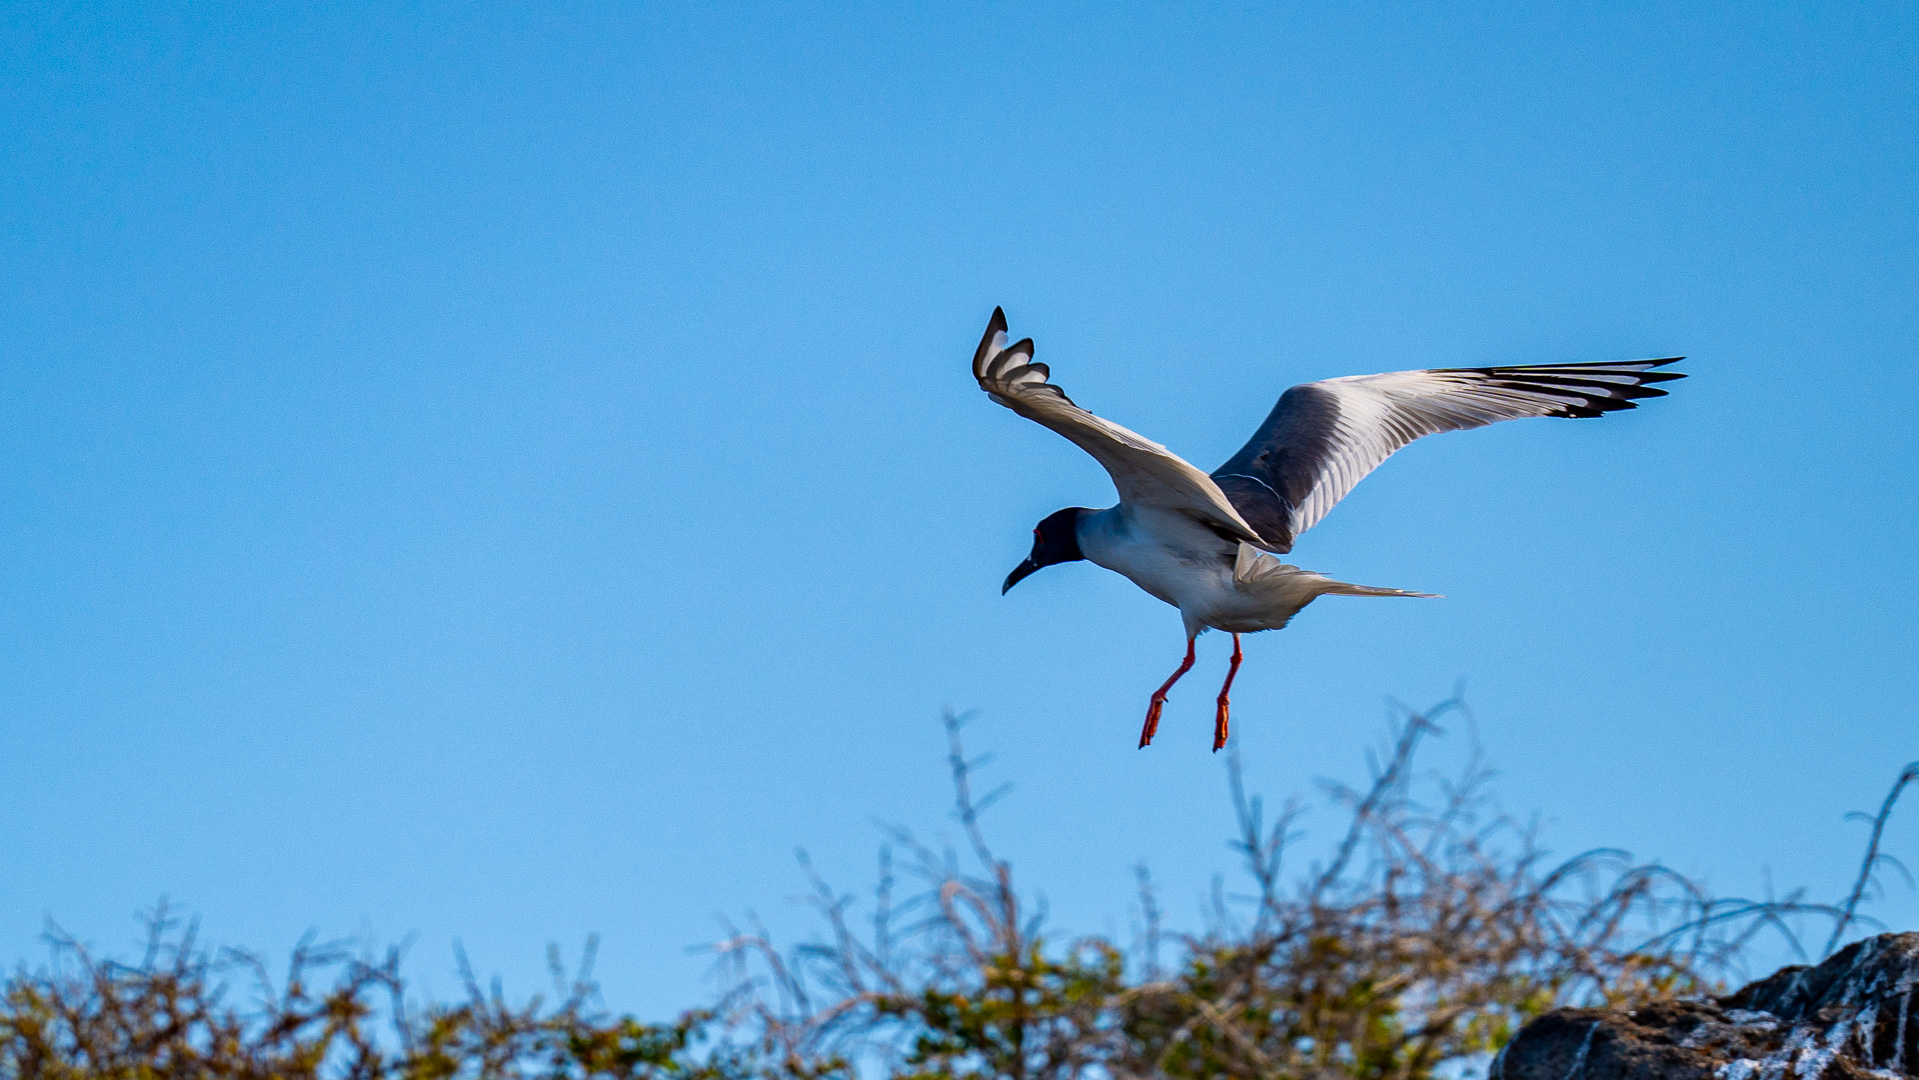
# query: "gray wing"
[1324,437]
[1144,472]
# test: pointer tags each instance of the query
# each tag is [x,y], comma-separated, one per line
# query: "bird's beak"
[1018,575]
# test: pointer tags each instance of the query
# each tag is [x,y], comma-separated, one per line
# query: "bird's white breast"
[1187,565]
[1164,552]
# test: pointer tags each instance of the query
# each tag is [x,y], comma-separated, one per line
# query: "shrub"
[1434,929]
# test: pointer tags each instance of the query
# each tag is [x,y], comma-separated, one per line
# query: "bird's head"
[1055,540]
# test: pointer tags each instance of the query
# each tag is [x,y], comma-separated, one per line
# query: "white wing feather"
[1144,472]
[1324,437]
[1379,414]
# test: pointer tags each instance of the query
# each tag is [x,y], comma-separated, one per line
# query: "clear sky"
[499,473]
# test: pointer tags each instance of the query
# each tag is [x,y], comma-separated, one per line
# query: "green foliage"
[1435,929]
[1026,1006]
[170,1016]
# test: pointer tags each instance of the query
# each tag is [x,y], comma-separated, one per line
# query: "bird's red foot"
[1151,727]
[1225,693]
[1159,698]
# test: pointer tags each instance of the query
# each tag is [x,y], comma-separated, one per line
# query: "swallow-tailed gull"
[1200,542]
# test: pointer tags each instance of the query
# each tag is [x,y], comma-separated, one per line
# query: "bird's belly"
[1160,581]
[1245,613]
[1162,573]
[1206,595]
[1201,586]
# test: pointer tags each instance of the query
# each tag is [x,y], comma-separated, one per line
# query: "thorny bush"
[1432,929]
[335,1014]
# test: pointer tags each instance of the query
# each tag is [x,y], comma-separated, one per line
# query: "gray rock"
[1850,1018]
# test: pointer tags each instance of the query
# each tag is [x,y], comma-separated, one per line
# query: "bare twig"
[1873,857]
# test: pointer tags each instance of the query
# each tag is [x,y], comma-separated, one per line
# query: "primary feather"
[1324,437]
[1144,472]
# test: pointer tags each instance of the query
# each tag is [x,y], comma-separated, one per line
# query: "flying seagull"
[1200,542]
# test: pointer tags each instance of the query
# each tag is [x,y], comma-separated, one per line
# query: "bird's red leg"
[1159,697]
[1219,722]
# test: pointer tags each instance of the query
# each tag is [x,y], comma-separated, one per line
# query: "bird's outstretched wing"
[1146,473]
[1323,437]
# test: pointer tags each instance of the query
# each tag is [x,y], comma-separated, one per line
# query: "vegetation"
[1433,930]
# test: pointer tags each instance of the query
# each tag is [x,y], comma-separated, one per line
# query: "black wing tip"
[994,325]
[1593,382]
[1642,368]
[1601,406]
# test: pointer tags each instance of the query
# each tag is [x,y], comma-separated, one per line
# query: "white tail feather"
[1252,564]
[1342,588]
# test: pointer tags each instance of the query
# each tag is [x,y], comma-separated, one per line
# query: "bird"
[1207,543]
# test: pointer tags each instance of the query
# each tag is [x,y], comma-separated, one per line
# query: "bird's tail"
[1344,588]
[1254,565]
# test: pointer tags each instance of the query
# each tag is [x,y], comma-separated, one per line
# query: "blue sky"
[493,473]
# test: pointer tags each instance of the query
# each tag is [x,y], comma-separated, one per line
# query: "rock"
[1850,1018]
